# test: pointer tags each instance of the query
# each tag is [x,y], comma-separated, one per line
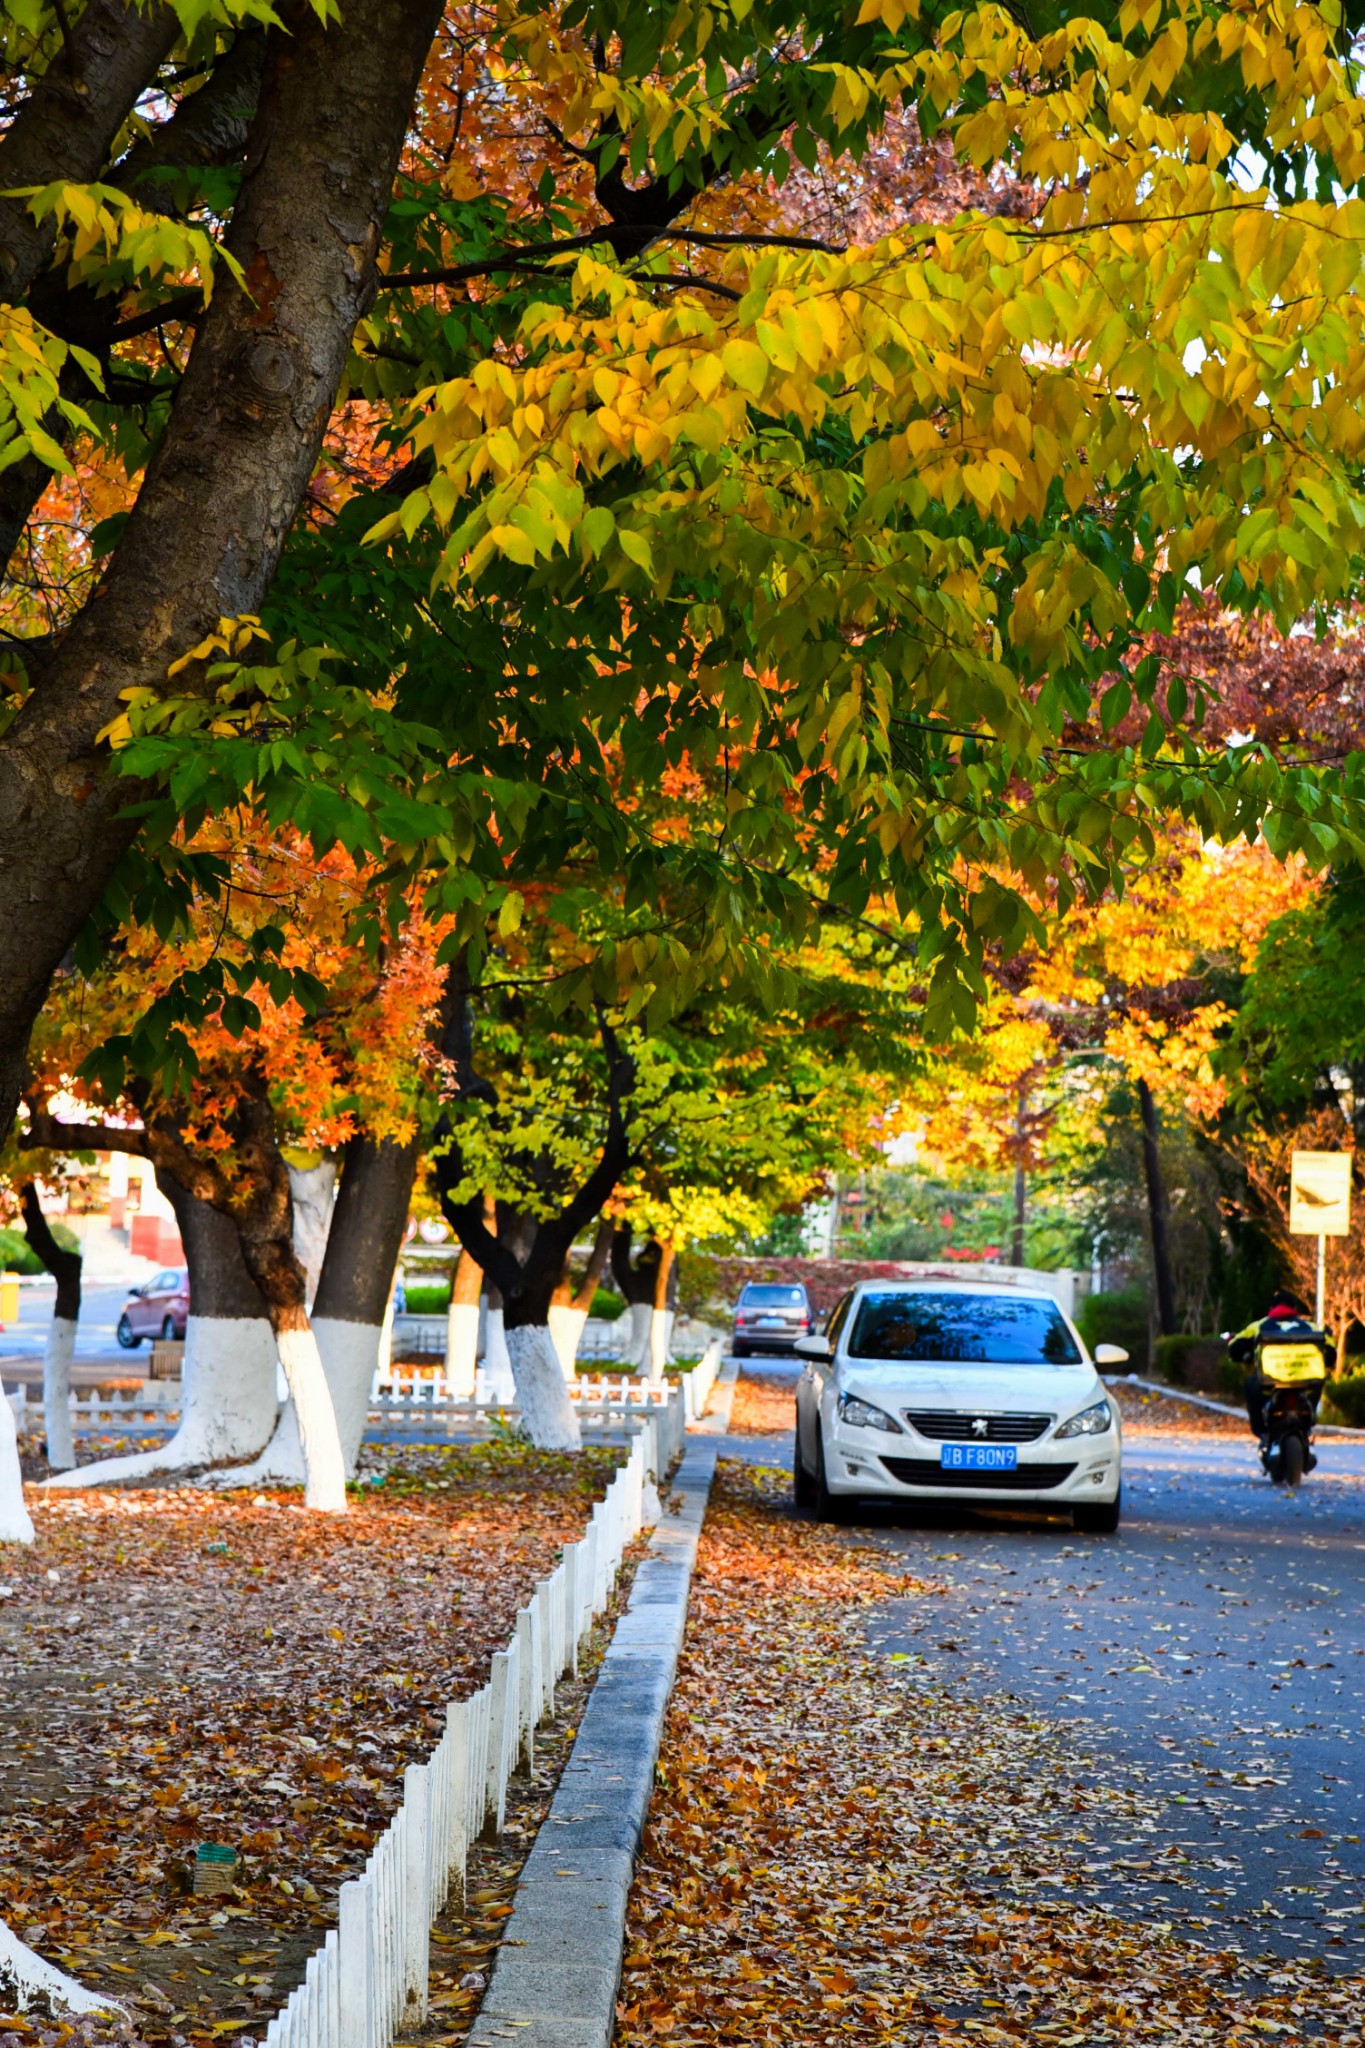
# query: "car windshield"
[760,1296]
[958,1329]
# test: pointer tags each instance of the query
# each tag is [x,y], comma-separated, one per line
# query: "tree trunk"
[1020,1181]
[311,1191]
[68,124]
[637,1280]
[570,1308]
[462,1327]
[223,487]
[1158,1213]
[661,1314]
[228,1403]
[65,1268]
[16,1524]
[356,1285]
[546,1413]
[596,1266]
[499,1380]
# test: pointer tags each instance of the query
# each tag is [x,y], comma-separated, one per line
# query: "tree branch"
[66,127]
[63,1265]
[224,486]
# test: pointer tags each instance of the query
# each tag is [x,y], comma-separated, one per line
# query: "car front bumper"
[874,1463]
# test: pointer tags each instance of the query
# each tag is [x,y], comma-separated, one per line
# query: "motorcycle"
[1287,1433]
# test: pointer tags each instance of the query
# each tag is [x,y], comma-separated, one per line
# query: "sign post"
[1320,1204]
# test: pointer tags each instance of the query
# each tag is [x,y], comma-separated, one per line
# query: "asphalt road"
[1209,1660]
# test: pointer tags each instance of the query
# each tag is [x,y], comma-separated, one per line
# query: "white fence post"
[480,1720]
[355,1964]
[417,1905]
[455,1847]
[524,1748]
[504,1714]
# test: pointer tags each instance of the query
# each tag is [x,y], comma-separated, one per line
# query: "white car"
[958,1390]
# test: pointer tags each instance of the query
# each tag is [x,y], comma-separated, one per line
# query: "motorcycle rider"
[1285,1348]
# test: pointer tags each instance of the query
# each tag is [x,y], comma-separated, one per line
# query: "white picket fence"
[405,1395]
[370,1975]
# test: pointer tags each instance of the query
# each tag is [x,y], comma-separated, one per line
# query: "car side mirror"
[812,1347]
[1110,1354]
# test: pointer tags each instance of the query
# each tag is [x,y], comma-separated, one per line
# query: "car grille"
[941,1428]
[1024,1479]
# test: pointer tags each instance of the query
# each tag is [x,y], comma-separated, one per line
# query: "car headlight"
[862,1415]
[1090,1422]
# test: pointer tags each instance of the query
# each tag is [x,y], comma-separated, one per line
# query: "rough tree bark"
[208,127]
[65,1268]
[569,1310]
[228,1403]
[224,486]
[1158,1211]
[67,126]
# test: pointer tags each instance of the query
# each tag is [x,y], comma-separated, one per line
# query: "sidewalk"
[845,1846]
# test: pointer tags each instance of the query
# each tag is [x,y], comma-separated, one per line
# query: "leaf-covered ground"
[845,1847]
[178,1667]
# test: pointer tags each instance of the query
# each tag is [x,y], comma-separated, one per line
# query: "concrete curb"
[1130,1379]
[555,1980]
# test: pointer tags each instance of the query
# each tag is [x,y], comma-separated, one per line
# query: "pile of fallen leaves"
[844,1846]
[765,1402]
[179,1667]
[1170,1416]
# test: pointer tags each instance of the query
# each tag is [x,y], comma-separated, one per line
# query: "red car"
[159,1308]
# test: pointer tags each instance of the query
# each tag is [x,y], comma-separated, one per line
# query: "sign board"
[1320,1194]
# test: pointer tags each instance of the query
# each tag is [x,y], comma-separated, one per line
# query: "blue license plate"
[978,1457]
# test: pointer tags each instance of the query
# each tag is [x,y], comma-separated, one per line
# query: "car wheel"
[126,1334]
[1098,1519]
[168,1330]
[803,1486]
[827,1506]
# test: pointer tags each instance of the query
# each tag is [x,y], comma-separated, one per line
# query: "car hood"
[1019,1389]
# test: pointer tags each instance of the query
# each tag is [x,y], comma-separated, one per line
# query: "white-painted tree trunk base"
[660,1342]
[547,1413]
[566,1331]
[306,1447]
[324,1469]
[24,1977]
[61,1349]
[498,1377]
[462,1348]
[16,1523]
[350,1358]
[228,1405]
[280,1463]
[641,1316]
